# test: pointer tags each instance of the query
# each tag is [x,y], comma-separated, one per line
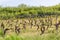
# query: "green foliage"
[24,11]
[51,36]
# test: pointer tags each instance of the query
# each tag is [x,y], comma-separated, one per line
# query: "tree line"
[25,11]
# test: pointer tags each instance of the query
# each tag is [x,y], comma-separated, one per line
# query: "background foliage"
[24,11]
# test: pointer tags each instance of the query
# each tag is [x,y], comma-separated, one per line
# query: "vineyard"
[46,26]
[30,23]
